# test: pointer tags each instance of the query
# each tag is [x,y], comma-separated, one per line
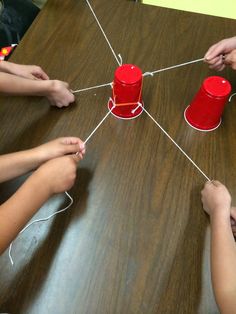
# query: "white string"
[231,96]
[40,220]
[136,108]
[100,26]
[105,117]
[121,60]
[144,74]
[182,151]
[172,67]
[92,87]
[71,199]
[100,123]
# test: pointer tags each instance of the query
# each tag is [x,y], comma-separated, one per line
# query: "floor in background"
[211,7]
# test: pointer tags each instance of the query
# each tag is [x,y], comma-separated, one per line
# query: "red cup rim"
[200,127]
[128,74]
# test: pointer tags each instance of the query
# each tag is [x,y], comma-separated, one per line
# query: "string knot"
[148,74]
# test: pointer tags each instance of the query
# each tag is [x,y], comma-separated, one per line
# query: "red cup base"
[125,112]
[198,127]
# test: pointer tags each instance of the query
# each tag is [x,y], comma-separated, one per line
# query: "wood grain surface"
[136,239]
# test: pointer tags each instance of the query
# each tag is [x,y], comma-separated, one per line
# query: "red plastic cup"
[204,112]
[127,92]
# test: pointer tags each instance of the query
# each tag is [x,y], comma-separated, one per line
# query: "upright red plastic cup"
[127,92]
[204,112]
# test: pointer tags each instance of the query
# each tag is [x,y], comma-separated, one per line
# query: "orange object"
[5,51]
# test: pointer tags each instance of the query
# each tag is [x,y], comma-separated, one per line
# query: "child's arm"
[55,176]
[33,72]
[16,164]
[217,203]
[57,92]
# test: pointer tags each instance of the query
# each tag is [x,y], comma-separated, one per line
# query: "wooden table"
[136,239]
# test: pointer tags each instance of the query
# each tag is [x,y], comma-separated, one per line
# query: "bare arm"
[55,176]
[33,72]
[19,209]
[17,85]
[223,263]
[217,203]
[15,164]
[57,92]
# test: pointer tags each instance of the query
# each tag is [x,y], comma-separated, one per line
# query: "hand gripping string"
[71,199]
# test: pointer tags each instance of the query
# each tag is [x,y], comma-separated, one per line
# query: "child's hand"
[233,219]
[32,72]
[215,54]
[59,94]
[60,147]
[216,198]
[230,59]
[59,174]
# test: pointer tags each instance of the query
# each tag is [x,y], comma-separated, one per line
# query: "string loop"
[231,96]
[40,220]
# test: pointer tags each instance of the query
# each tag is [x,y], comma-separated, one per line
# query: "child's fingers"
[216,183]
[214,51]
[229,58]
[218,62]
[43,76]
[213,61]
[207,183]
[220,68]
[76,157]
[70,140]
[73,144]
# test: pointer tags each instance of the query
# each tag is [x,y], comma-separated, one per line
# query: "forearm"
[223,263]
[19,209]
[16,85]
[15,164]
[7,67]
